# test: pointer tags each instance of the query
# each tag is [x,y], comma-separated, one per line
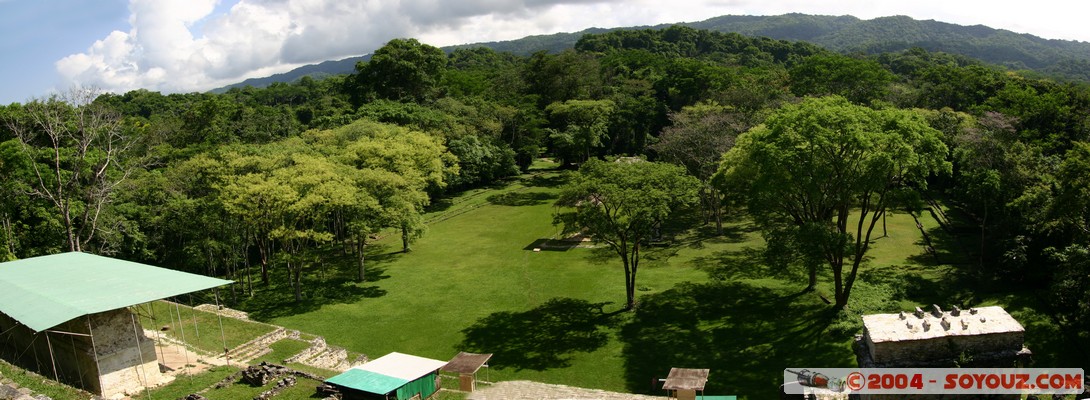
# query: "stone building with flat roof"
[977,337]
[980,337]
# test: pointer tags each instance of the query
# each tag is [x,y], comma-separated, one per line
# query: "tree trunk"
[812,284]
[717,209]
[629,285]
[631,266]
[983,225]
[405,238]
[263,250]
[361,246]
[249,276]
[296,279]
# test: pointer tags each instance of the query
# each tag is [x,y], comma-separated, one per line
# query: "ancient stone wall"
[115,361]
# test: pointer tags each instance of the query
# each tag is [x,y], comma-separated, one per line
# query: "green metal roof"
[43,292]
[367,381]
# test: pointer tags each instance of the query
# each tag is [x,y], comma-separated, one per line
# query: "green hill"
[1060,58]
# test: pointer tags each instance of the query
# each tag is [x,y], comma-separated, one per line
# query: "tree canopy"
[832,169]
[625,203]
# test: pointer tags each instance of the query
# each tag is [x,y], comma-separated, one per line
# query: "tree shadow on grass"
[547,180]
[280,301]
[552,245]
[745,334]
[517,199]
[747,263]
[542,338]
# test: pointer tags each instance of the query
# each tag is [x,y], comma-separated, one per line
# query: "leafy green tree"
[480,162]
[1070,284]
[78,153]
[420,159]
[624,204]
[583,124]
[1072,204]
[860,80]
[697,140]
[825,163]
[402,70]
[561,77]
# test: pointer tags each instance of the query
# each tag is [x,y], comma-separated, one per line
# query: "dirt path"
[526,390]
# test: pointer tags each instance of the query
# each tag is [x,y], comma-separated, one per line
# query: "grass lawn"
[38,383]
[474,283]
[198,328]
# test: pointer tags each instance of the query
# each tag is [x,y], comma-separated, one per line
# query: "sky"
[197,45]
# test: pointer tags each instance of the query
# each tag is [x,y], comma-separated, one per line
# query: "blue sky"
[196,45]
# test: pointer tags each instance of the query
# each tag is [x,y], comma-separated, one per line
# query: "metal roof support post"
[72,339]
[94,352]
[181,328]
[37,363]
[140,352]
[52,359]
[158,337]
[171,312]
[219,316]
[193,313]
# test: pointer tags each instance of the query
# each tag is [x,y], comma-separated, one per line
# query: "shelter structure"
[684,383]
[67,317]
[394,376]
[466,366]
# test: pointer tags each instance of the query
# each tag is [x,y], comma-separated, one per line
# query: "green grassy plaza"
[475,283]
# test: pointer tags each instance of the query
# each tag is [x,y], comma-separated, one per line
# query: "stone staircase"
[318,355]
[322,355]
[258,347]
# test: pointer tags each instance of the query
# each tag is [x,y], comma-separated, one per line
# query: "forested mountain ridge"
[1061,58]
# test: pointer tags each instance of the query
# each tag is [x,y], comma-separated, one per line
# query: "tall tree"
[403,69]
[697,140]
[78,154]
[859,80]
[825,163]
[624,204]
[583,124]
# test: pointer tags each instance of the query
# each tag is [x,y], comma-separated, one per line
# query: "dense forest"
[1063,59]
[239,183]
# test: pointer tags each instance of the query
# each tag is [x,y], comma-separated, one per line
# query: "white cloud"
[183,45]
[178,45]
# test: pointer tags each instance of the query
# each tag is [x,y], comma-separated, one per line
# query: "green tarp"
[367,381]
[404,375]
[425,386]
[373,382]
[43,292]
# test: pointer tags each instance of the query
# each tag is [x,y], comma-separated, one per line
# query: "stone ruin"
[258,376]
[977,337]
[262,374]
[980,337]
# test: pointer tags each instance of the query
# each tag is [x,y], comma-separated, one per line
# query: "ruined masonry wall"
[126,357]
